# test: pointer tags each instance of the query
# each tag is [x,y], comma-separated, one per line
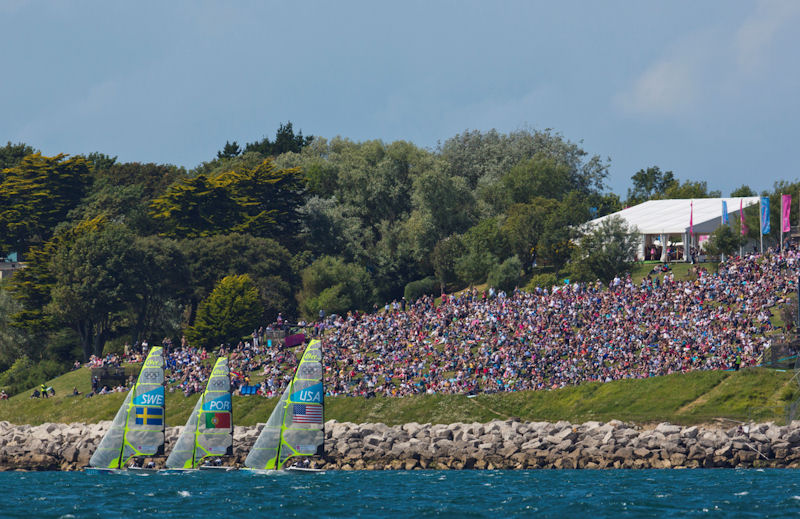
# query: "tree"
[334,286]
[285,141]
[605,251]
[160,279]
[690,189]
[95,279]
[475,155]
[648,184]
[100,162]
[539,176]
[37,194]
[556,243]
[13,341]
[474,266]
[443,259]
[506,276]
[231,312]
[723,241]
[263,201]
[524,225]
[743,190]
[230,150]
[194,207]
[265,261]
[12,154]
[33,285]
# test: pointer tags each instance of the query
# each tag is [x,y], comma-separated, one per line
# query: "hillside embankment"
[508,444]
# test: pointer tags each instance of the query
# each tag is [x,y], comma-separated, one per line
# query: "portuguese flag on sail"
[218,420]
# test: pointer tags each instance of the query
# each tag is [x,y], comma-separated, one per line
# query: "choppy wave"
[566,493]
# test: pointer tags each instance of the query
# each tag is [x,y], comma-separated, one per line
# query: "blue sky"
[708,90]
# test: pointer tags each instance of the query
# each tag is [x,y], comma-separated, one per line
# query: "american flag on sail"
[307,413]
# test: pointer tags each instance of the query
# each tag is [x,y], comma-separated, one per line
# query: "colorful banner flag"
[741,218]
[218,420]
[724,212]
[786,211]
[765,228]
[691,217]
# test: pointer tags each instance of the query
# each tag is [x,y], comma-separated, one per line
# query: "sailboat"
[208,432]
[138,427]
[295,429]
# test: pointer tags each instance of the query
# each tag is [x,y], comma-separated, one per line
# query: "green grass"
[679,398]
[679,269]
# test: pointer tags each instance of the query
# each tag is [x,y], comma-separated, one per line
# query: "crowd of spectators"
[565,335]
[488,342]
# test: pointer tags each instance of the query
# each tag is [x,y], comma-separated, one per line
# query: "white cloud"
[666,87]
[756,35]
[716,64]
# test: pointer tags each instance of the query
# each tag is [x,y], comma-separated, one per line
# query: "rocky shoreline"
[510,444]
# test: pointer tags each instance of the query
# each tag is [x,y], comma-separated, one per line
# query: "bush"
[506,275]
[541,281]
[473,267]
[421,287]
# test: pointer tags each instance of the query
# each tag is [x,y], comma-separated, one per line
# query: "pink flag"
[691,215]
[786,210]
[741,219]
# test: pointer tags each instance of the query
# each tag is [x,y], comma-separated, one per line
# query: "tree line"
[118,252]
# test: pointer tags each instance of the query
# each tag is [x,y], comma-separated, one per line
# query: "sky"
[708,90]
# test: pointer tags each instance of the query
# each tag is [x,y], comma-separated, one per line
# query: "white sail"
[295,427]
[138,427]
[209,429]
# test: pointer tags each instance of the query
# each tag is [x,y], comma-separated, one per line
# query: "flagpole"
[761,224]
[781,222]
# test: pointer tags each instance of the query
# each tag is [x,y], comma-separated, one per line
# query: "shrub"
[506,275]
[421,287]
[542,281]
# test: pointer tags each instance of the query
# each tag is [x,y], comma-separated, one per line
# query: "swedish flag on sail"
[149,416]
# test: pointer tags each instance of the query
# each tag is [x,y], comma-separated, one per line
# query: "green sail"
[138,427]
[209,429]
[295,427]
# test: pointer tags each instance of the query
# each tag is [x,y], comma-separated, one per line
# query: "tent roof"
[672,216]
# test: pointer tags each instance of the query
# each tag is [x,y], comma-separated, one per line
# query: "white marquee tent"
[656,220]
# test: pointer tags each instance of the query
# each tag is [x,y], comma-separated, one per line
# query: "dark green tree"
[12,154]
[195,207]
[37,194]
[443,259]
[265,261]
[95,279]
[285,141]
[231,312]
[231,149]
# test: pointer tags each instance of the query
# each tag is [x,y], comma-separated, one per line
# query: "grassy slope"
[690,398]
[758,394]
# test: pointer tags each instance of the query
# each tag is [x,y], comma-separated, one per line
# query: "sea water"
[495,494]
